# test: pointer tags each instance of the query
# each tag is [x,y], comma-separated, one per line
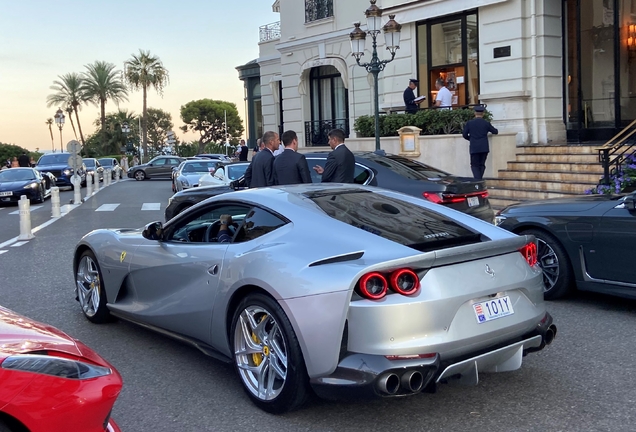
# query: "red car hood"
[19,334]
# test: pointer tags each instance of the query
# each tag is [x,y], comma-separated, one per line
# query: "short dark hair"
[288,137]
[269,136]
[440,81]
[337,134]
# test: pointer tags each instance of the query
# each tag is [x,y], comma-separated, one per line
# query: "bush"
[431,121]
[623,180]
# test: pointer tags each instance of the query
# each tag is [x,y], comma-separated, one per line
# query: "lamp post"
[59,121]
[375,66]
[125,129]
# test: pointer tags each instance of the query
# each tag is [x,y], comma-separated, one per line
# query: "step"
[579,149]
[527,194]
[542,185]
[592,168]
[557,157]
[574,177]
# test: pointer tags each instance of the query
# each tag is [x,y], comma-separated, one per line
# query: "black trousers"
[478,164]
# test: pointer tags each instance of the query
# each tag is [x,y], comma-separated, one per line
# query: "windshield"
[408,168]
[89,163]
[236,171]
[199,167]
[16,175]
[399,221]
[107,162]
[54,159]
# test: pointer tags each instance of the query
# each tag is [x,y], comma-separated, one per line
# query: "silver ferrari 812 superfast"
[346,290]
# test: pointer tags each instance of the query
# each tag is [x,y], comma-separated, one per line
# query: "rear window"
[399,221]
[408,168]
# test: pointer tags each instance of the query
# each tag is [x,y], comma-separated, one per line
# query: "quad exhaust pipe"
[412,381]
[550,334]
[389,384]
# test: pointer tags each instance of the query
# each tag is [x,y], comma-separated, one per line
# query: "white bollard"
[107,177]
[25,218]
[110,177]
[89,185]
[96,185]
[55,202]
[116,176]
[77,186]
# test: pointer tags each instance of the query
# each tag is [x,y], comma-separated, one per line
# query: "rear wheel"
[556,266]
[90,289]
[140,175]
[5,428]
[267,356]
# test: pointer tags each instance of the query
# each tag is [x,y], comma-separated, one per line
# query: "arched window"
[329,105]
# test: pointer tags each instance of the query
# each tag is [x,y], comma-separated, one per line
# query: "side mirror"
[149,163]
[153,231]
[630,203]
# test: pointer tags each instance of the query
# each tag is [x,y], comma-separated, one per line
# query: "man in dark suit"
[24,161]
[340,163]
[476,132]
[291,167]
[243,151]
[412,106]
[260,172]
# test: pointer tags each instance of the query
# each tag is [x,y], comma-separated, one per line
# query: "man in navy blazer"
[260,172]
[476,132]
[340,163]
[291,167]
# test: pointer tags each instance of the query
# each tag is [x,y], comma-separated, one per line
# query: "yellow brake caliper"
[257,358]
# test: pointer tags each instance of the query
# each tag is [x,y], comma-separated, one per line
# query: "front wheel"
[90,288]
[267,356]
[140,175]
[554,261]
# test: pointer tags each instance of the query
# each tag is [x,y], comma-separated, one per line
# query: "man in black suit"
[476,131]
[340,163]
[260,172]
[412,106]
[24,161]
[291,167]
[243,151]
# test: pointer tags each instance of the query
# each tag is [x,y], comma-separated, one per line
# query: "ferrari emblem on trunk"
[489,271]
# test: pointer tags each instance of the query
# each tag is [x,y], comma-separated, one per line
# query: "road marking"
[18,244]
[151,206]
[107,207]
[32,209]
[3,251]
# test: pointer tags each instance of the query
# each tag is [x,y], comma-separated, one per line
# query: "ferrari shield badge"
[122,257]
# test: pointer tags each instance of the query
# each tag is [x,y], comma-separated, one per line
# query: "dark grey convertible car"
[586,242]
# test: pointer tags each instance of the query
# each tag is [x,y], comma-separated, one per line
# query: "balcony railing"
[318,9]
[316,131]
[269,32]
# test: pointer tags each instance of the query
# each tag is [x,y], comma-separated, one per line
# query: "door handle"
[214,270]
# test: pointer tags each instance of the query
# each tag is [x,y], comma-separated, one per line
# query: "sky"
[199,42]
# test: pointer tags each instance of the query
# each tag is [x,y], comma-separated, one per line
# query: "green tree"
[207,117]
[9,151]
[142,71]
[69,93]
[101,84]
[110,140]
[159,122]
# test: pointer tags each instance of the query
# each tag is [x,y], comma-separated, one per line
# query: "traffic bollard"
[116,176]
[55,202]
[77,186]
[25,218]
[89,185]
[96,185]
[107,177]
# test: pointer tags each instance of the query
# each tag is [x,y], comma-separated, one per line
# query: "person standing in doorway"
[260,172]
[410,101]
[340,164]
[476,132]
[290,167]
[444,98]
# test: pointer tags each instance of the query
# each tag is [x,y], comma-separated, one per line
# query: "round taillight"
[373,286]
[405,281]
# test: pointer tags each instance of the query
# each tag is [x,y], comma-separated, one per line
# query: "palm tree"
[49,122]
[102,83]
[69,111]
[142,71]
[68,92]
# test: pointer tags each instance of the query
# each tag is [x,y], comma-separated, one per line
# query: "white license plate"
[492,309]
[473,201]
[6,194]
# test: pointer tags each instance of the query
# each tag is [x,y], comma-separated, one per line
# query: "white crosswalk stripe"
[18,244]
[151,206]
[17,212]
[107,207]
[3,251]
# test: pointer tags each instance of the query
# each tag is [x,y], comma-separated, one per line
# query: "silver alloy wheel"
[260,353]
[549,262]
[140,175]
[88,286]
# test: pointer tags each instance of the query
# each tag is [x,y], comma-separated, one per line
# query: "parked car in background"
[219,156]
[585,242]
[94,168]
[15,182]
[185,199]
[414,178]
[346,290]
[225,174]
[112,164]
[159,167]
[57,164]
[189,172]
[51,382]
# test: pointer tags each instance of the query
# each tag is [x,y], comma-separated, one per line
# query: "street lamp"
[125,129]
[59,121]
[375,66]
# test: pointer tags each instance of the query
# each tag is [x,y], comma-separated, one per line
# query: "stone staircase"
[546,171]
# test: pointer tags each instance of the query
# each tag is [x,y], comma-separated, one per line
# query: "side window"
[312,162]
[174,161]
[159,162]
[203,226]
[361,175]
[258,222]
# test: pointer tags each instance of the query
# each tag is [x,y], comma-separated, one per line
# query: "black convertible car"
[586,242]
[15,182]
